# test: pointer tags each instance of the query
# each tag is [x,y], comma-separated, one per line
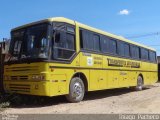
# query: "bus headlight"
[38,77]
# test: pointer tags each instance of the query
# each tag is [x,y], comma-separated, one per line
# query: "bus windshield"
[31,42]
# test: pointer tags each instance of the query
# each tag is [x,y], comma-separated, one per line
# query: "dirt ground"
[101,102]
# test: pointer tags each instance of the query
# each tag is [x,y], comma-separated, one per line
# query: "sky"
[128,18]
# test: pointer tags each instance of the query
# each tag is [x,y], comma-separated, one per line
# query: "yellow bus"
[59,56]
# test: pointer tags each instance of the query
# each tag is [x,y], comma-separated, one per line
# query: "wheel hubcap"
[77,92]
[139,84]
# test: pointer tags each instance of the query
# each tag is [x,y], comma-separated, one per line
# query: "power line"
[144,35]
[154,45]
[147,35]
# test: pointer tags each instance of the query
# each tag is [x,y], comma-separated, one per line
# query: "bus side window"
[96,42]
[63,44]
[144,54]
[105,44]
[113,46]
[126,50]
[121,49]
[152,56]
[135,52]
[86,40]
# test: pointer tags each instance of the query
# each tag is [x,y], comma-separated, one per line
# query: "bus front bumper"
[40,88]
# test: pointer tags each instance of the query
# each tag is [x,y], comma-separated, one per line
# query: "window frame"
[67,25]
[110,48]
[120,48]
[90,36]
[142,53]
[101,44]
[123,50]
[84,46]
[131,54]
[155,59]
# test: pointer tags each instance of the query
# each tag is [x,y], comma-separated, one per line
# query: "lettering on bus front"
[122,63]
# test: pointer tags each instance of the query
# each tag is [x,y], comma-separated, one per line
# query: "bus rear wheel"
[76,90]
[139,86]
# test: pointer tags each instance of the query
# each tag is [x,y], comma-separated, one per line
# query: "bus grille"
[19,88]
[19,77]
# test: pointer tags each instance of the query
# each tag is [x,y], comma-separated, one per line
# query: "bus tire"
[76,90]
[139,86]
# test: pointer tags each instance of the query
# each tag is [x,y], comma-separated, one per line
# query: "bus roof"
[62,19]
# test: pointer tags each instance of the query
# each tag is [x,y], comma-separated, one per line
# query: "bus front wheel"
[139,86]
[76,90]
